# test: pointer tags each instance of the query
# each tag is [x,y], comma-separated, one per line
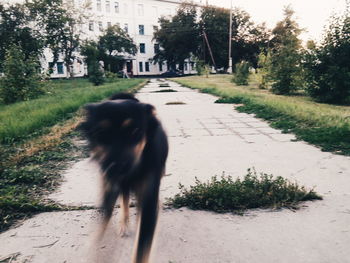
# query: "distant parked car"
[171,74]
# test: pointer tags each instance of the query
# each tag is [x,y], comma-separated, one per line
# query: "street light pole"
[229,70]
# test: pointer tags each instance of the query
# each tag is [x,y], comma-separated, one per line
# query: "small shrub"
[96,75]
[21,79]
[111,76]
[226,194]
[241,73]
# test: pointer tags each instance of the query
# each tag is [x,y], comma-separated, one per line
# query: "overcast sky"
[310,14]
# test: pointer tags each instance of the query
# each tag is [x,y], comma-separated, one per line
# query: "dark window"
[100,26]
[147,66]
[156,48]
[160,66]
[141,29]
[116,7]
[126,28]
[141,66]
[186,66]
[60,68]
[155,28]
[142,48]
[91,26]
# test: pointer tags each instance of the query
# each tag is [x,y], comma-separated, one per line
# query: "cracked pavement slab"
[205,139]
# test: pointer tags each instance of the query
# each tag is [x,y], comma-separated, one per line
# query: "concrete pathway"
[206,139]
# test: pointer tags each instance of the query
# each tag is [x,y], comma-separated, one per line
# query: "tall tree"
[113,44]
[15,29]
[61,24]
[328,65]
[178,37]
[247,38]
[286,68]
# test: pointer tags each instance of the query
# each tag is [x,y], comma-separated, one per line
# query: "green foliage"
[248,38]
[253,191]
[264,69]
[15,29]
[96,75]
[178,37]
[285,56]
[61,27]
[241,73]
[111,44]
[327,67]
[22,78]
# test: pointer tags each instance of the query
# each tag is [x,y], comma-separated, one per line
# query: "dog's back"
[129,143]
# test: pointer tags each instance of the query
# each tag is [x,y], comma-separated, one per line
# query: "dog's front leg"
[124,221]
[110,194]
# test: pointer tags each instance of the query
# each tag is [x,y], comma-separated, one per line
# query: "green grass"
[37,139]
[23,119]
[228,195]
[326,126]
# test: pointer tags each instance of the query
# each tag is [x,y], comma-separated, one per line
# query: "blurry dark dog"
[131,147]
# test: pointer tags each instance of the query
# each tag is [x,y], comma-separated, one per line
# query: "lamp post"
[229,70]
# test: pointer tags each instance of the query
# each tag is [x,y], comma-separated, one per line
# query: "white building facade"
[139,19]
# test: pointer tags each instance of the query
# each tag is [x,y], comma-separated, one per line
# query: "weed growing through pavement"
[225,194]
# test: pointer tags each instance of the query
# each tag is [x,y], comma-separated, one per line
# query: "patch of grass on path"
[326,126]
[30,167]
[227,195]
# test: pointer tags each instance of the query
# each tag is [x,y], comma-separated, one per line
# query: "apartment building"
[139,18]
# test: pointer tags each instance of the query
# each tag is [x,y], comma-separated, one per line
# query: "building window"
[60,69]
[91,26]
[160,66]
[186,68]
[99,6]
[142,48]
[141,66]
[141,29]
[156,48]
[109,24]
[147,66]
[155,28]
[100,26]
[126,28]
[140,9]
[116,7]
[108,6]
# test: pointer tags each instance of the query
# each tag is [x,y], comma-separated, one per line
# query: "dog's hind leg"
[124,221]
[148,205]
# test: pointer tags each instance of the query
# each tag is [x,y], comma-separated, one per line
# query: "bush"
[21,79]
[327,67]
[96,75]
[226,194]
[111,77]
[241,73]
[264,70]
[202,68]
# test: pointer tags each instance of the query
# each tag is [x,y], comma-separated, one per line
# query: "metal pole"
[229,70]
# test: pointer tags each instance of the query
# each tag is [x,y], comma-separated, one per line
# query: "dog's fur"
[131,147]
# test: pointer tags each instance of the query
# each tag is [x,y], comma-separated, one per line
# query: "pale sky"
[310,14]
